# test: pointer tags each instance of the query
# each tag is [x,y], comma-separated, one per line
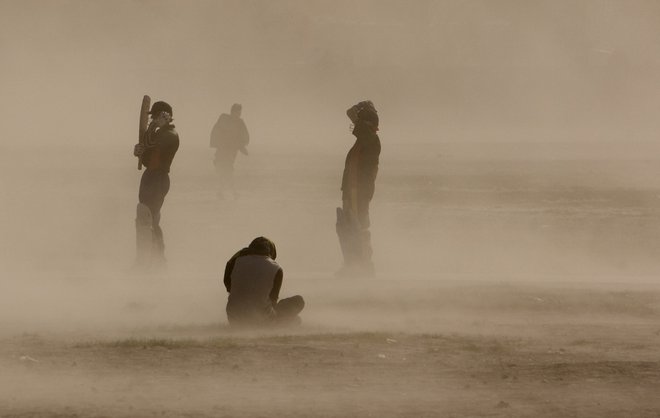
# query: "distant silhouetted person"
[253,280]
[228,136]
[156,155]
[357,186]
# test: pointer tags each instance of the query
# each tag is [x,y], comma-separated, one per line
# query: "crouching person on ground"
[253,280]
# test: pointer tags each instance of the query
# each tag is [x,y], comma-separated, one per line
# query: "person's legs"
[247,316]
[147,192]
[287,310]
[144,221]
[144,236]
[355,238]
[363,212]
[366,265]
[162,187]
[158,242]
[224,166]
[366,251]
[347,230]
[153,189]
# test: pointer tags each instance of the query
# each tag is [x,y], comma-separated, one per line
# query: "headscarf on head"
[263,246]
[369,115]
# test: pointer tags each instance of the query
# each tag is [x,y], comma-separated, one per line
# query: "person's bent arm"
[228,269]
[277,285]
[245,136]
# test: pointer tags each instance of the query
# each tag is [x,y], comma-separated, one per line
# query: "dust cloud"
[518,145]
[514,224]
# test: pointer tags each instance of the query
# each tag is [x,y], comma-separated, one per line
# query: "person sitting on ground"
[253,280]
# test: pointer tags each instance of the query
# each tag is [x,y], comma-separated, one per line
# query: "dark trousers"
[284,312]
[224,167]
[354,236]
[289,308]
[362,207]
[154,186]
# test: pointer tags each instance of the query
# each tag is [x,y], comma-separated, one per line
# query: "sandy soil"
[497,350]
[512,287]
[515,224]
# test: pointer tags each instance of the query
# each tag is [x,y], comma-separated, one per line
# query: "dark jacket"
[251,262]
[165,145]
[361,165]
[229,133]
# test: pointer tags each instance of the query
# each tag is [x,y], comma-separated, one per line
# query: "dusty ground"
[507,286]
[515,224]
[505,351]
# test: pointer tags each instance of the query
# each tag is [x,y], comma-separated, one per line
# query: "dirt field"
[506,287]
[495,351]
[515,223]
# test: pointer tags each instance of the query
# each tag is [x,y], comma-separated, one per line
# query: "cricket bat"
[144,124]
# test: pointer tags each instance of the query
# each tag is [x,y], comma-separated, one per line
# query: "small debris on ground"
[502,404]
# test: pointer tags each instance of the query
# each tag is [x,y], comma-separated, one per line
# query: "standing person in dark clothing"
[253,280]
[156,155]
[358,186]
[228,136]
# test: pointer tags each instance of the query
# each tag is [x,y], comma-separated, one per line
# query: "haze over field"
[517,198]
[453,80]
[440,70]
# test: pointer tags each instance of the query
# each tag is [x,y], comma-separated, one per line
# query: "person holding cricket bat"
[156,153]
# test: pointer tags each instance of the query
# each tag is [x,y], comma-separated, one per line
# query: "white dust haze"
[519,144]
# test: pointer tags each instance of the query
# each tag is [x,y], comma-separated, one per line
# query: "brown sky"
[485,70]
